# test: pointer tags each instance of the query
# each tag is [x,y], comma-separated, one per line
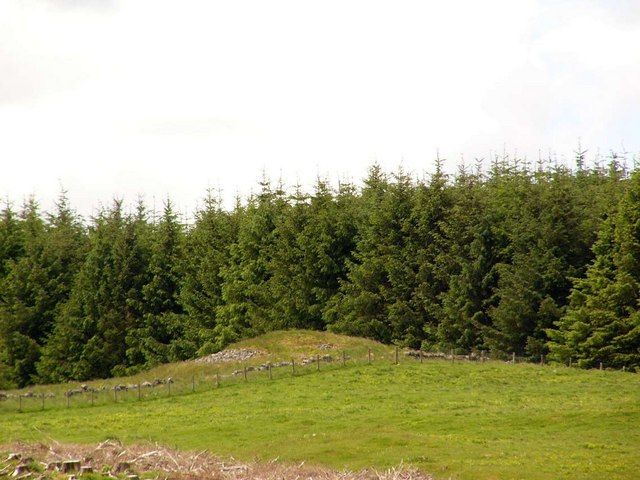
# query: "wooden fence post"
[318,361]
[217,379]
[513,358]
[20,402]
[369,355]
[43,401]
[343,358]
[92,397]
[570,362]
[193,383]
[139,393]
[293,366]
[396,355]
[245,373]
[451,354]
[270,376]
[600,365]
[420,352]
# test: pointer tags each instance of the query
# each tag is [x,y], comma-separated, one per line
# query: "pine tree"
[11,248]
[246,307]
[88,339]
[37,283]
[11,241]
[430,246]
[474,249]
[159,338]
[375,300]
[603,323]
[207,253]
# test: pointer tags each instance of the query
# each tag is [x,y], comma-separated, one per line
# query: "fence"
[85,395]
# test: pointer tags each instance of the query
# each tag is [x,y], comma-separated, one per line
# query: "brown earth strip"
[114,460]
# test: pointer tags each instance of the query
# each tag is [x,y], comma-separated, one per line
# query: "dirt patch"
[113,459]
[231,355]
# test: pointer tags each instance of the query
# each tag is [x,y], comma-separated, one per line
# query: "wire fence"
[90,395]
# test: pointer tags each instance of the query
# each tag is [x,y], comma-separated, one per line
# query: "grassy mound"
[464,420]
[275,347]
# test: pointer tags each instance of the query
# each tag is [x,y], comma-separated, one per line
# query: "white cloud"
[161,97]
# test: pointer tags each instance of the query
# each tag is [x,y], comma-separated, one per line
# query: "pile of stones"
[230,355]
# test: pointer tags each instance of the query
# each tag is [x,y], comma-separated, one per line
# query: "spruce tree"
[207,252]
[159,336]
[375,299]
[38,283]
[602,323]
[247,300]
[105,303]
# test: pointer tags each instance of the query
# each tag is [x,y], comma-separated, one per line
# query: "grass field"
[465,420]
[276,346]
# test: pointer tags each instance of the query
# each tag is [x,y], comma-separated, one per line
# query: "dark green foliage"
[207,254]
[507,260]
[106,302]
[156,336]
[36,284]
[602,324]
[476,249]
[246,297]
[375,298]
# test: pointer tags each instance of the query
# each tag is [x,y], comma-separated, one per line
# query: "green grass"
[277,346]
[462,421]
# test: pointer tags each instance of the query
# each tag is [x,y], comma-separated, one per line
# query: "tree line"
[533,259]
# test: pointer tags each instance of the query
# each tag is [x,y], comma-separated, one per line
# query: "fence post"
[115,394]
[68,399]
[245,373]
[169,383]
[293,366]
[138,390]
[91,398]
[343,358]
[513,357]
[369,355]
[43,401]
[624,368]
[542,359]
[20,402]
[600,365]
[451,354]
[570,361]
[420,351]
[217,380]
[318,361]
[193,383]
[270,377]
[396,355]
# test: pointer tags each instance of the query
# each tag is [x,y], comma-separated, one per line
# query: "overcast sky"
[155,97]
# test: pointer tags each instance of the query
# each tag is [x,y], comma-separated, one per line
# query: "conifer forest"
[507,257]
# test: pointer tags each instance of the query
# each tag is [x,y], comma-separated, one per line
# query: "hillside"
[273,347]
[464,420]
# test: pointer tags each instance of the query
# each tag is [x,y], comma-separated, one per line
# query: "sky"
[110,98]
